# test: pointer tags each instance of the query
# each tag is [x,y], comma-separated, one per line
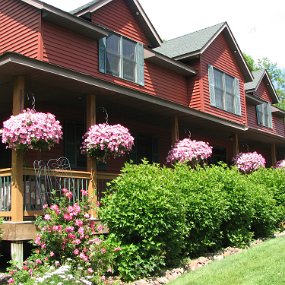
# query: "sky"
[258,26]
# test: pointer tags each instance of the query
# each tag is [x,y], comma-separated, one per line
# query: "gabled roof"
[134,6]
[193,44]
[258,76]
[190,43]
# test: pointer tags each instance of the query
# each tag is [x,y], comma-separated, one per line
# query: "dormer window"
[122,57]
[224,91]
[264,115]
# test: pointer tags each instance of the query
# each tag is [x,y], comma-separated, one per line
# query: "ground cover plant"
[259,265]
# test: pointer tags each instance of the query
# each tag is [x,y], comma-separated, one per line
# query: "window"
[264,116]
[218,154]
[146,146]
[224,91]
[73,133]
[122,57]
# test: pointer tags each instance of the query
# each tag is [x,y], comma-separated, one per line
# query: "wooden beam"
[17,196]
[91,163]
[273,154]
[18,231]
[174,130]
[235,145]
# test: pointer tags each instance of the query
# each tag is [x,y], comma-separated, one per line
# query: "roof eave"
[168,63]
[253,99]
[272,90]
[66,20]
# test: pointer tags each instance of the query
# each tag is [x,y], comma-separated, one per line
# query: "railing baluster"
[5,192]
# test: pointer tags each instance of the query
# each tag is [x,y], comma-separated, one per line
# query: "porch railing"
[35,189]
[5,190]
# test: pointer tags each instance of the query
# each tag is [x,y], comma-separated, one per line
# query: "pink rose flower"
[76,251]
[79,223]
[47,217]
[84,192]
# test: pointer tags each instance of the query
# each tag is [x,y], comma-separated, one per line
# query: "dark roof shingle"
[257,76]
[83,7]
[189,43]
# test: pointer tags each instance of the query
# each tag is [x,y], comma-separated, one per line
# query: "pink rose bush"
[280,164]
[189,150]
[31,130]
[103,141]
[67,236]
[249,162]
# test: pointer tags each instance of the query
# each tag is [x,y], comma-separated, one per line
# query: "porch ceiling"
[56,84]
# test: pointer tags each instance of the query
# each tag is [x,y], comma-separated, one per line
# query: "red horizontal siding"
[117,17]
[220,56]
[277,122]
[279,125]
[20,28]
[263,93]
[194,87]
[70,50]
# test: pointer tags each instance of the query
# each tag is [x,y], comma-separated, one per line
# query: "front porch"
[77,101]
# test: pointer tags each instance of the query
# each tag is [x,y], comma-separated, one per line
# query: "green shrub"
[147,215]
[206,207]
[274,182]
[158,214]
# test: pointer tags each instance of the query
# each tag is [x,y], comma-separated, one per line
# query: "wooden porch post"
[174,130]
[235,145]
[273,154]
[17,157]
[17,196]
[91,163]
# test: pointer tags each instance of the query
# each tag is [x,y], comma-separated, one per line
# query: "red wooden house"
[108,56]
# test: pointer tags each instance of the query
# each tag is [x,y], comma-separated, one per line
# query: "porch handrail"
[5,172]
[61,173]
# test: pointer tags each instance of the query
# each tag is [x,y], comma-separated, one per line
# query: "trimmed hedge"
[158,215]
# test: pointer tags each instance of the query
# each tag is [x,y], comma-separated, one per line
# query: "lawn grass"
[263,264]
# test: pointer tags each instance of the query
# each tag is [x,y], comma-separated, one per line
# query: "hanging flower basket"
[189,150]
[280,164]
[31,130]
[103,141]
[249,161]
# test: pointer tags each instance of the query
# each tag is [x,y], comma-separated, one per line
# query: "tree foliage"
[276,74]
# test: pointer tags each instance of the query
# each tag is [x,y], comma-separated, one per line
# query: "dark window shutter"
[140,64]
[211,85]
[259,114]
[102,55]
[270,124]
[237,97]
